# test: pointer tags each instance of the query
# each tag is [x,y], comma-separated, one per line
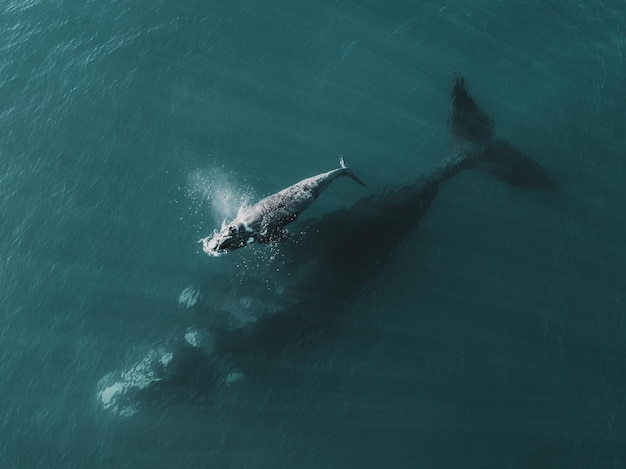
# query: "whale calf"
[265,221]
[244,323]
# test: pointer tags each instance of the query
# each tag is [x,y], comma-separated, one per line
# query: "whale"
[265,221]
[245,321]
[474,132]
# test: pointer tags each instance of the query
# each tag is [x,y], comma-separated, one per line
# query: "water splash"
[214,190]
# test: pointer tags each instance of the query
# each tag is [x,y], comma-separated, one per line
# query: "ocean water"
[493,336]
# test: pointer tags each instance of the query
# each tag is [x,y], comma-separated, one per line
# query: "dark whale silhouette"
[474,132]
[304,283]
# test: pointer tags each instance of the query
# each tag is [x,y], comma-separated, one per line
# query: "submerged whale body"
[171,371]
[306,285]
[474,131]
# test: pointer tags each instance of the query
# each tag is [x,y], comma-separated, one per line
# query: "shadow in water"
[297,289]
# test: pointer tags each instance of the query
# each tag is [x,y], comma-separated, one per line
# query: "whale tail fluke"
[468,121]
[348,172]
[473,129]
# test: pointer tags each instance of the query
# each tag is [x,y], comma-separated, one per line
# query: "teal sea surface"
[494,335]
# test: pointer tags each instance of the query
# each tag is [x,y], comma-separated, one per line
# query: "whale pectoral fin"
[468,122]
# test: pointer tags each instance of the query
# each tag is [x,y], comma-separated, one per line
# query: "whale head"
[232,236]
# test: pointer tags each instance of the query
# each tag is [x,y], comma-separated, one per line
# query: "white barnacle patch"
[188,297]
[192,338]
[167,358]
[200,338]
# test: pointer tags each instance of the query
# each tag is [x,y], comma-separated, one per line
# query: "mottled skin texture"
[267,217]
[265,221]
